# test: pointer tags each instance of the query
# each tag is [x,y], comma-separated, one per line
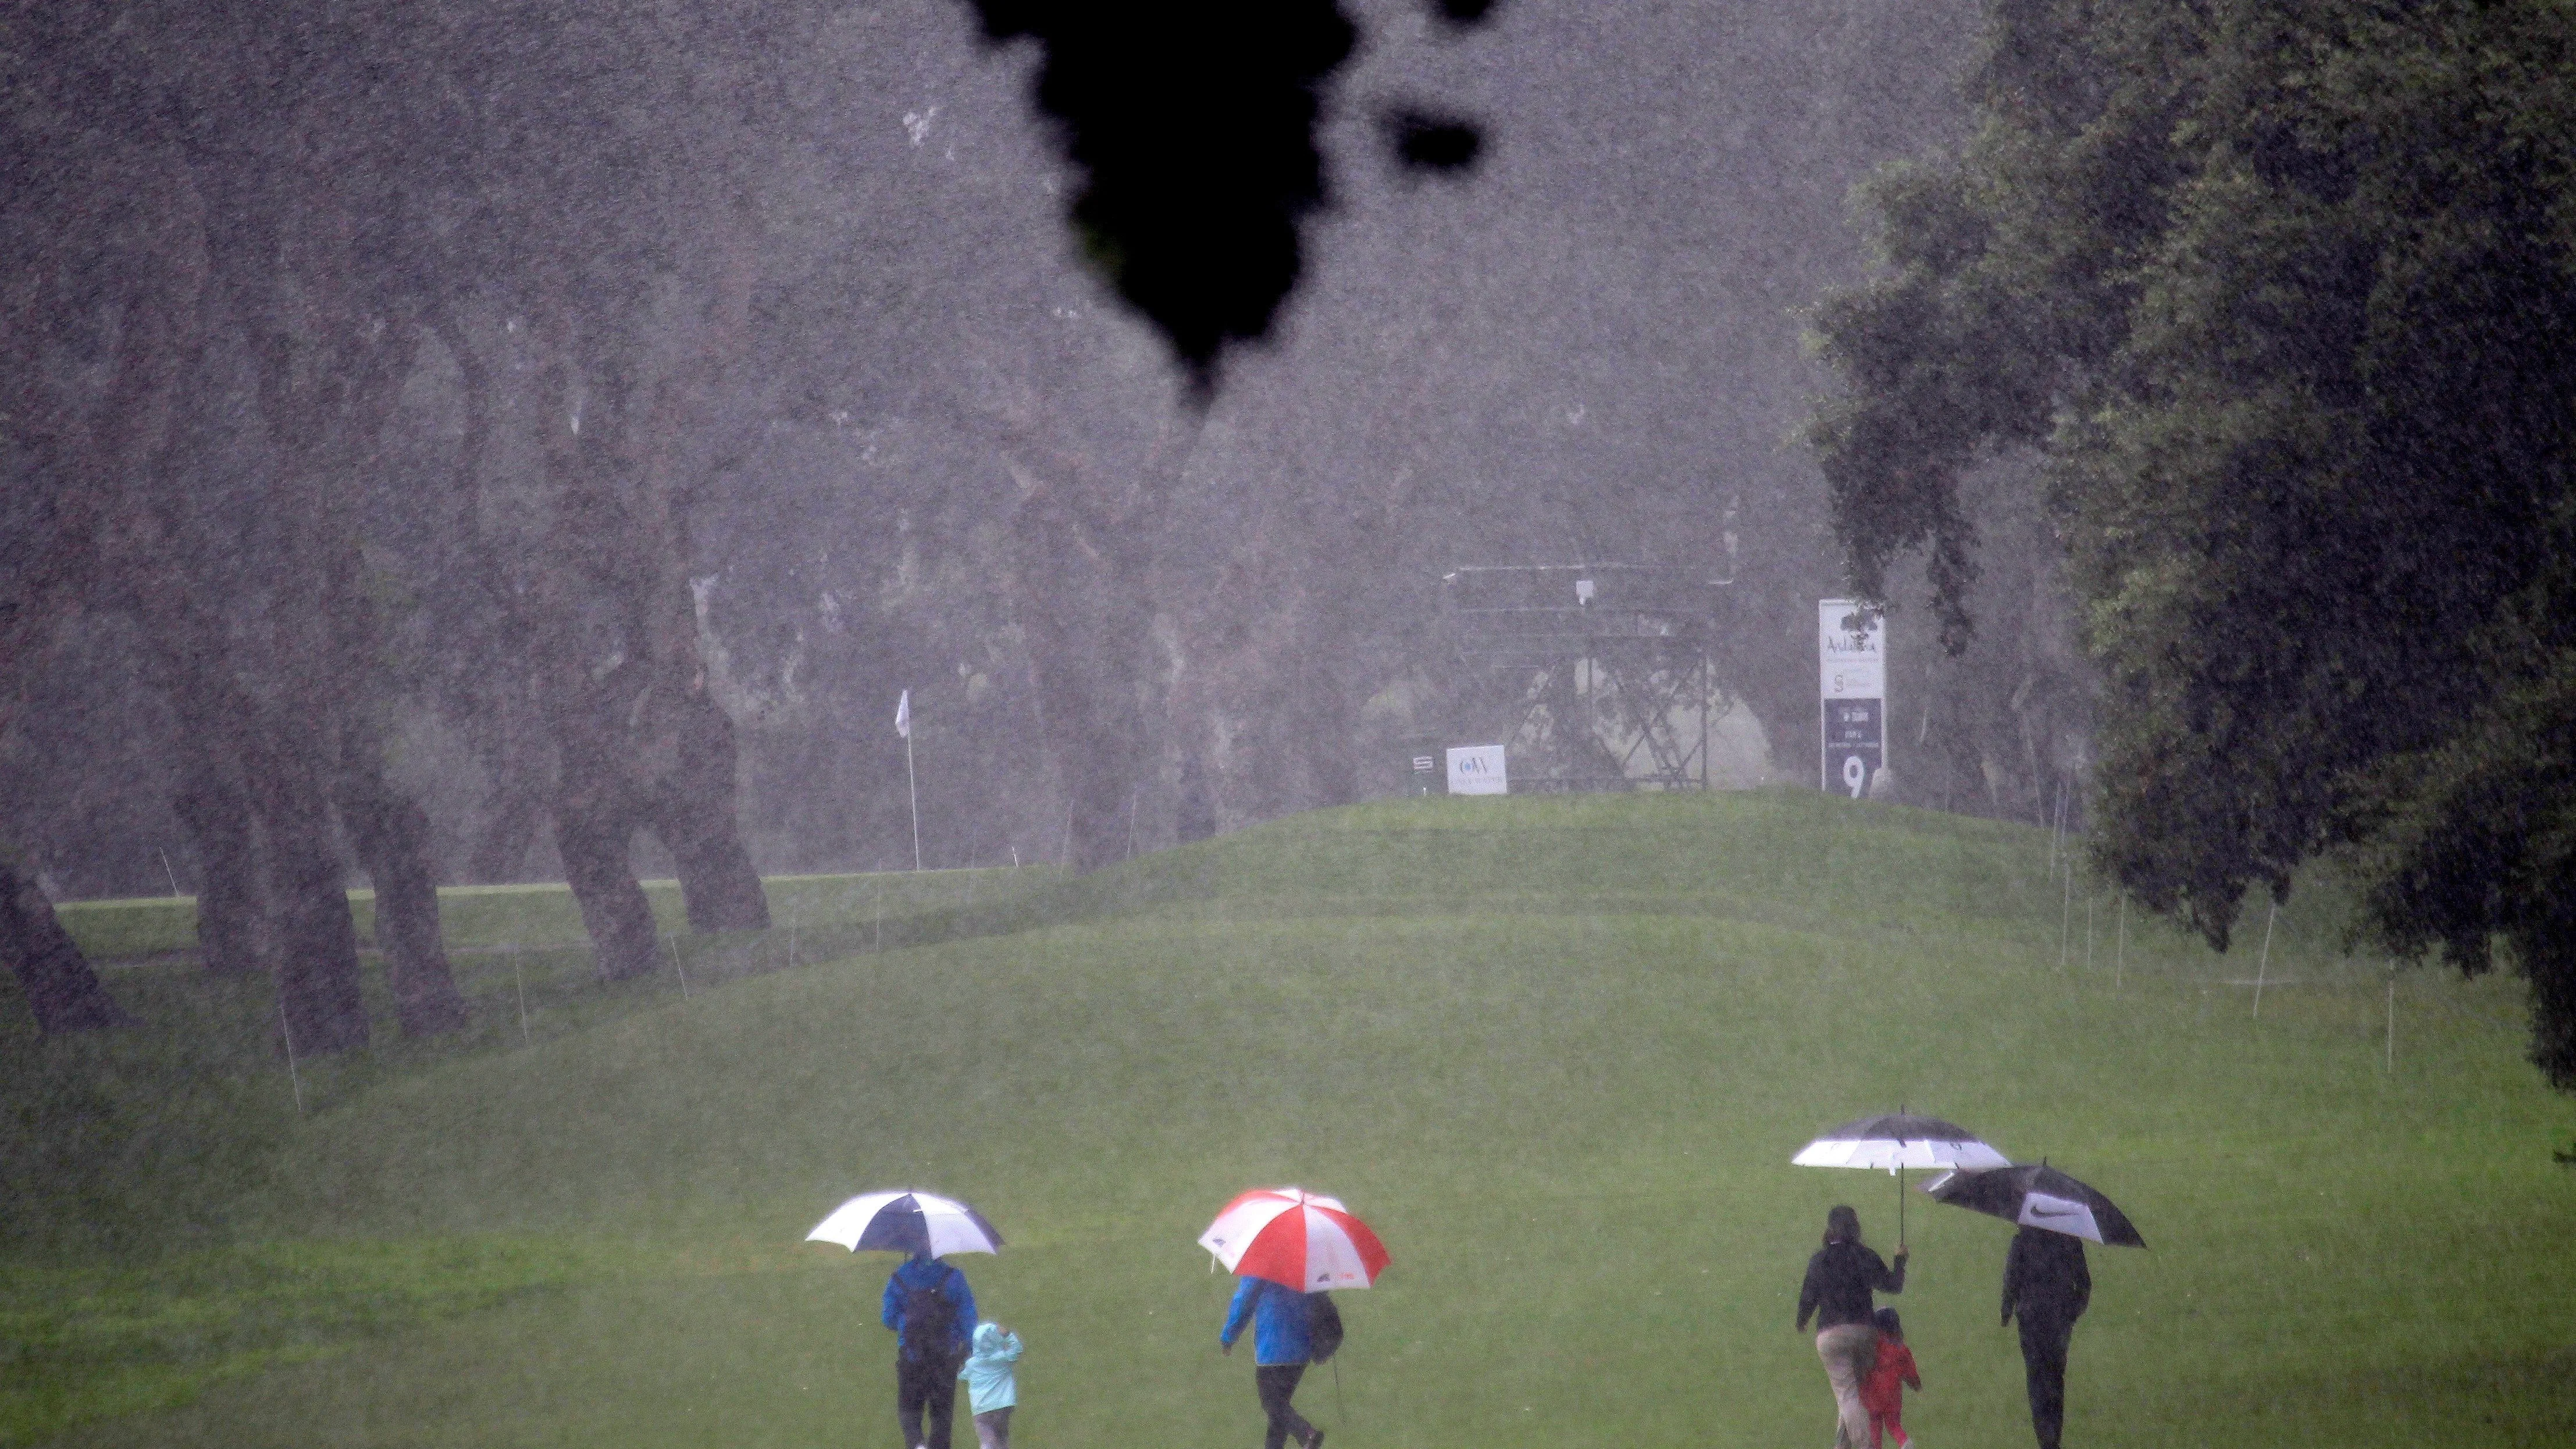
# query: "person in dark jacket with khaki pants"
[1840,1278]
[2046,1285]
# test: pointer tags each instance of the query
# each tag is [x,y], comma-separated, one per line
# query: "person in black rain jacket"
[1841,1276]
[2046,1286]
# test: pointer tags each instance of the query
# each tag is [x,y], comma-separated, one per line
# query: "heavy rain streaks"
[620,624]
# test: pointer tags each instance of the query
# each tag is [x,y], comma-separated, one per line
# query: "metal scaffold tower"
[1601,671]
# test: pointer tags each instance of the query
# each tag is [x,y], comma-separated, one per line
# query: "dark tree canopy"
[1195,130]
[2281,295]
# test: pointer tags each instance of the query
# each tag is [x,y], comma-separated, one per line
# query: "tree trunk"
[1194,811]
[1082,567]
[391,833]
[316,942]
[61,989]
[694,813]
[1086,646]
[593,830]
[501,850]
[1326,720]
[216,812]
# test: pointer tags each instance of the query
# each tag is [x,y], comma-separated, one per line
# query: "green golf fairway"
[1558,1052]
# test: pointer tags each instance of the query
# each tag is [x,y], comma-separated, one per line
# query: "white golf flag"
[903,715]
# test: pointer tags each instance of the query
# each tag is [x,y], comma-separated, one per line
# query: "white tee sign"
[1851,667]
[1478,770]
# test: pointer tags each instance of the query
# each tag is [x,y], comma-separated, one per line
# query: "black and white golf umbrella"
[907,1222]
[1895,1141]
[2039,1196]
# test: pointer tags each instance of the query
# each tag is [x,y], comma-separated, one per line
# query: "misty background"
[847,415]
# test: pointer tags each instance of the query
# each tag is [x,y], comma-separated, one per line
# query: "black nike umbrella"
[2039,1196]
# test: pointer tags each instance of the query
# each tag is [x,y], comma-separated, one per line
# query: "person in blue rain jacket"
[932,1313]
[1280,1353]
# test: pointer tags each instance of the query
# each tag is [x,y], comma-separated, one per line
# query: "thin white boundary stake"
[2066,917]
[2088,931]
[2264,967]
[791,938]
[166,870]
[2120,962]
[1015,855]
[521,978]
[879,944]
[2390,1063]
[286,1029]
[677,964]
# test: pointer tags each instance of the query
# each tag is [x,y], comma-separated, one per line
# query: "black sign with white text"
[1855,743]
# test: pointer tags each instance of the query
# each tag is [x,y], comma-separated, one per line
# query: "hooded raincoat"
[990,1383]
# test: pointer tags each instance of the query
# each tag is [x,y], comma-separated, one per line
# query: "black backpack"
[929,1322]
[1323,1328]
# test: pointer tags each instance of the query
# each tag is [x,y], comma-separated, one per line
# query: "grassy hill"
[1557,1051]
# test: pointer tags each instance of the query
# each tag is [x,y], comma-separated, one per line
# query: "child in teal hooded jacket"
[992,1390]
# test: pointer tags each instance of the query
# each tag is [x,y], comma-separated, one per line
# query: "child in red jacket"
[1881,1393]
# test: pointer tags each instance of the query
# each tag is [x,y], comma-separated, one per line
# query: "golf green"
[1558,1052]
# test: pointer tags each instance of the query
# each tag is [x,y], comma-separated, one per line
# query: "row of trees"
[484,441]
[2265,307]
[244,233]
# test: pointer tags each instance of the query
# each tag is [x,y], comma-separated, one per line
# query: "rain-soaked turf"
[1558,1051]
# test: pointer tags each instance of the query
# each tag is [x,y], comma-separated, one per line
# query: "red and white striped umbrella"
[1296,1239]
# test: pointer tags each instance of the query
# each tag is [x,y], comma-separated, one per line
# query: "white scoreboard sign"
[1851,665]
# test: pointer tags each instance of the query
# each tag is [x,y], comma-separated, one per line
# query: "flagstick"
[166,870]
[2088,932]
[791,939]
[2265,966]
[914,782]
[880,940]
[676,964]
[521,978]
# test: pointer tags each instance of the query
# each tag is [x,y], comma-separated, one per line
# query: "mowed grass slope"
[1558,1052]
